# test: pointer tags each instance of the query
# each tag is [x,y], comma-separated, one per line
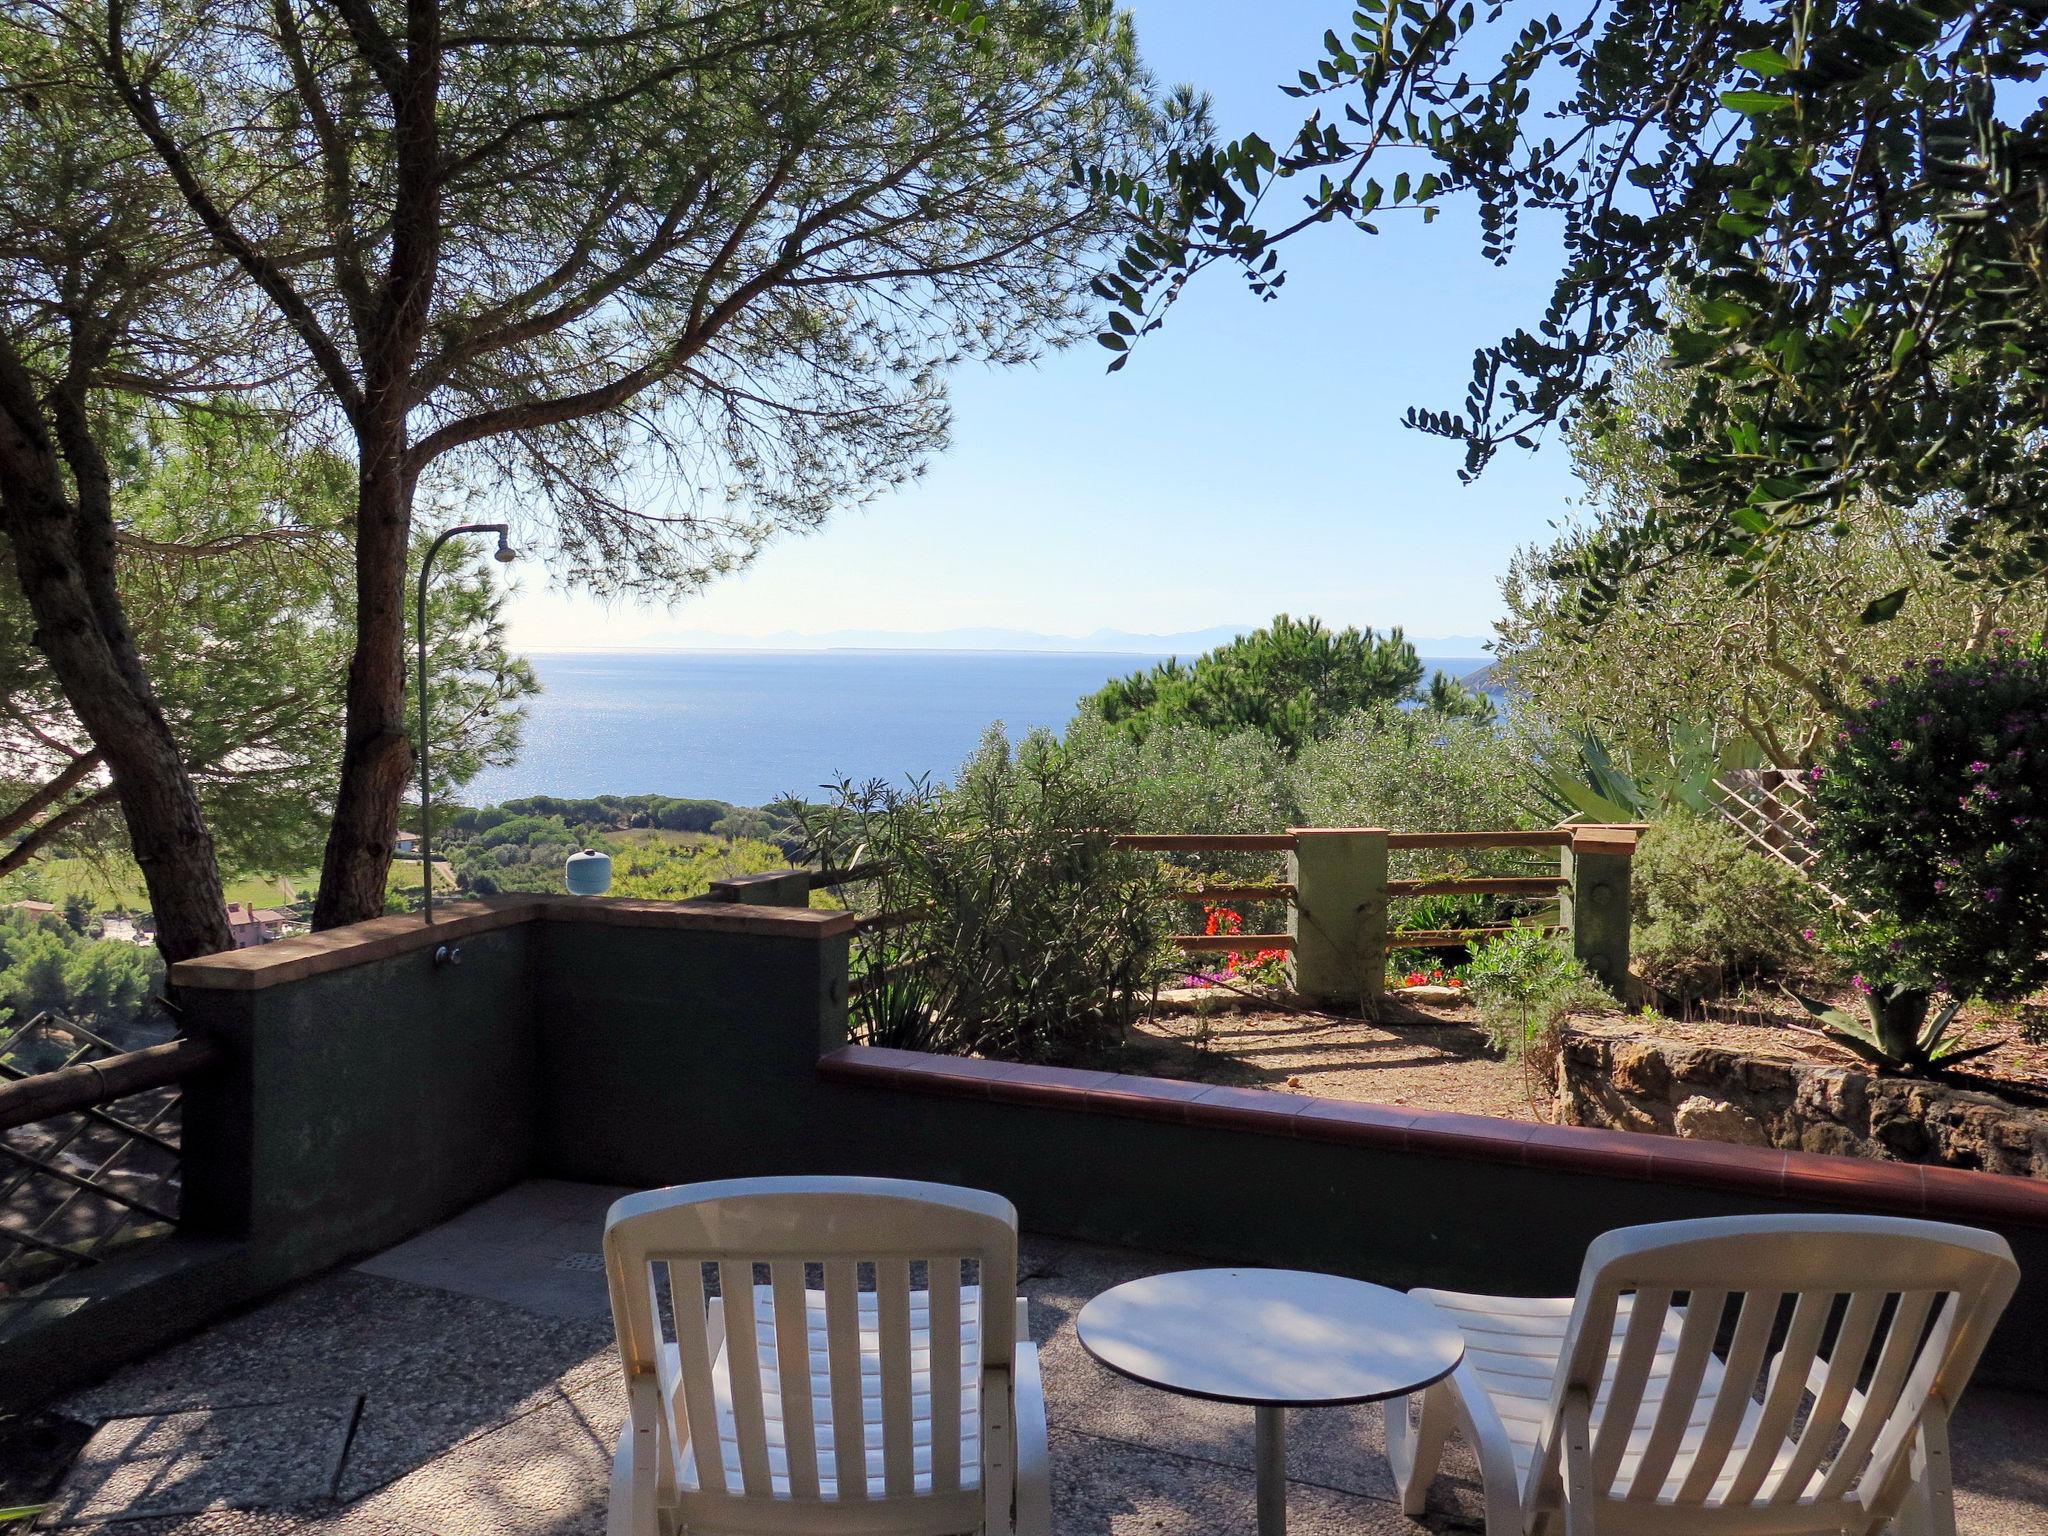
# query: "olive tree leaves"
[1836,215]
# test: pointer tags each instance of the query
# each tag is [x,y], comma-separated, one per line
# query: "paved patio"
[465,1382]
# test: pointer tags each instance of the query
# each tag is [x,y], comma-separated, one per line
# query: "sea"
[747,726]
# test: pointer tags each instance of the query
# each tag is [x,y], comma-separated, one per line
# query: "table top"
[1274,1337]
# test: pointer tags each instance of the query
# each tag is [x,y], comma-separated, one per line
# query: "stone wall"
[1628,1080]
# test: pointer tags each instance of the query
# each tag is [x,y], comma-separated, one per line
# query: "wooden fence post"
[1595,906]
[1339,916]
[776,888]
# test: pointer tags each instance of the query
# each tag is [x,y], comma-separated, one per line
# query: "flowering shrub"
[1267,967]
[1933,812]
[1432,978]
[1932,815]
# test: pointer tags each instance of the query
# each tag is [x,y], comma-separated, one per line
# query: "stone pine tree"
[668,276]
[1292,680]
[232,570]
[1836,214]
[97,286]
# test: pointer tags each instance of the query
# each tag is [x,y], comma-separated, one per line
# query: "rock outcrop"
[1633,1081]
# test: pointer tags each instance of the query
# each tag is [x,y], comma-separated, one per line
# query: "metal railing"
[90,1150]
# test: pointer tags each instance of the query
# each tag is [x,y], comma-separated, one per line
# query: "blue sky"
[1249,460]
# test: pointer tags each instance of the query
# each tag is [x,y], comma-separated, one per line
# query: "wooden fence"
[1371,846]
[1337,893]
[89,1144]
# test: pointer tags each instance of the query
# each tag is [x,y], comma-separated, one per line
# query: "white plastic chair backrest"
[667,1244]
[1859,1319]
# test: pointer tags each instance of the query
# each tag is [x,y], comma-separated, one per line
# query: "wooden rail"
[1268,892]
[1488,885]
[1543,837]
[825,879]
[70,1090]
[1236,941]
[1206,842]
[1451,938]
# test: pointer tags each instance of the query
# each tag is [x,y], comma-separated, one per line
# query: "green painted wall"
[362,1105]
[665,1052]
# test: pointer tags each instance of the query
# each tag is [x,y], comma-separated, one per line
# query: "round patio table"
[1274,1339]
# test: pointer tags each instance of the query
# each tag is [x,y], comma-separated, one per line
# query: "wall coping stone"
[382,938]
[1901,1189]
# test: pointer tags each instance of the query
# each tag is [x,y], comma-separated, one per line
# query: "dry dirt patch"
[1430,1057]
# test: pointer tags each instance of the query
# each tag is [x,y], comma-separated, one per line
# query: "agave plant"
[1901,1031]
[1590,784]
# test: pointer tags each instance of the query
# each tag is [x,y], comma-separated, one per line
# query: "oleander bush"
[1010,924]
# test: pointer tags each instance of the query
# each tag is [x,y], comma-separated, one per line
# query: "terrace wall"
[367,1092]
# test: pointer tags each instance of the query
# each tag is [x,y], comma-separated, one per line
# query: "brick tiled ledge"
[1896,1189]
[381,938]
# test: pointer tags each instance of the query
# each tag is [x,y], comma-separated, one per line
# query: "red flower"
[1223,921]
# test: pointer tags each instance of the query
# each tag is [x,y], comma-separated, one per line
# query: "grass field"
[120,886]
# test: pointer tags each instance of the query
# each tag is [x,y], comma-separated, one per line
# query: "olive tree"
[102,287]
[1775,654]
[1837,213]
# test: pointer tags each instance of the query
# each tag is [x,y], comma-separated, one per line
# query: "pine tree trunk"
[63,547]
[377,751]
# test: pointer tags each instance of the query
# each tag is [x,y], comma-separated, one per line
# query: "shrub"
[1182,778]
[1709,912]
[1466,910]
[1412,771]
[1932,815]
[1025,933]
[1525,982]
[44,965]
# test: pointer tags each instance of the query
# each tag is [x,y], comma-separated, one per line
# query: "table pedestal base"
[1271,1457]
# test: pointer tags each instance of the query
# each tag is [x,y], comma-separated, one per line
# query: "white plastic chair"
[1761,1375]
[874,1378]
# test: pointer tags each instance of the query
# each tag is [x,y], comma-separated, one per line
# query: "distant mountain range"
[1112,641]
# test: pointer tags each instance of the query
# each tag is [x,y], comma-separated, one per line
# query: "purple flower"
[1860,984]
[1940,886]
[1898,745]
[1989,794]
[1980,766]
[1815,774]
[1810,936]
[1991,892]
[1923,719]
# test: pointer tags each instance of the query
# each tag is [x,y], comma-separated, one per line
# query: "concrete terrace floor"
[465,1381]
